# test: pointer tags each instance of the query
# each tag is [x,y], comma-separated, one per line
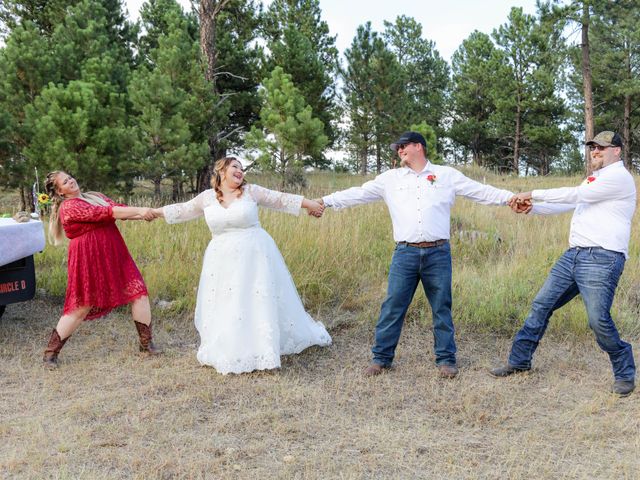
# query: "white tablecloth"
[19,240]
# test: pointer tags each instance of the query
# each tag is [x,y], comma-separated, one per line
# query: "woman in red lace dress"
[101,273]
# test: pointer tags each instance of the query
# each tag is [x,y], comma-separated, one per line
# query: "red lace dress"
[100,268]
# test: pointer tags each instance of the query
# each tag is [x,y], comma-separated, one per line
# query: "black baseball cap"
[606,139]
[408,137]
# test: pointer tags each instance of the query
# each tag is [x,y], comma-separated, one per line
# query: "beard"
[596,163]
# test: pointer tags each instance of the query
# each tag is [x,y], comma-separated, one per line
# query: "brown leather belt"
[437,243]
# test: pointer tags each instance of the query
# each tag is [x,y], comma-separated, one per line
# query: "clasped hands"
[521,203]
[148,214]
[315,207]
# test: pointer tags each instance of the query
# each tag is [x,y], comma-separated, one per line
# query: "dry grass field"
[109,413]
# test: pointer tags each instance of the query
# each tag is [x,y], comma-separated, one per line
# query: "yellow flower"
[43,198]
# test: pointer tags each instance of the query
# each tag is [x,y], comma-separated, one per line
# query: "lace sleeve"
[284,202]
[79,211]
[183,212]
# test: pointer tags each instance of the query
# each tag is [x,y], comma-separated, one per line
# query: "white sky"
[446,22]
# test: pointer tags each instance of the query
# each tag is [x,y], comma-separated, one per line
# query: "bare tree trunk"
[378,159]
[24,199]
[626,121]
[626,133]
[208,11]
[363,156]
[475,152]
[176,189]
[587,84]
[516,140]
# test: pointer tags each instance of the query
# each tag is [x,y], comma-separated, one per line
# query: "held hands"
[314,207]
[149,214]
[521,203]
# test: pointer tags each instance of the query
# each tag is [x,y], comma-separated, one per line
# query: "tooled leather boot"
[54,346]
[146,340]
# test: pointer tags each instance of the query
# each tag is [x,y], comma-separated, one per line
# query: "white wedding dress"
[248,311]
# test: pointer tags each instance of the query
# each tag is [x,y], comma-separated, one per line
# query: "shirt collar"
[611,166]
[427,168]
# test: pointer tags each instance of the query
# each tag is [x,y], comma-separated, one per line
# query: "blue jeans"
[593,273]
[431,266]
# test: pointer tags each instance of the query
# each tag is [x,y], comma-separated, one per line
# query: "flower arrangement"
[431,178]
[590,180]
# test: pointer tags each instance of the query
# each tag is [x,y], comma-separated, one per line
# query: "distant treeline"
[84,89]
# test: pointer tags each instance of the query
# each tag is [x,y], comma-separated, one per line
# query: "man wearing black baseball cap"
[419,196]
[598,248]
[409,137]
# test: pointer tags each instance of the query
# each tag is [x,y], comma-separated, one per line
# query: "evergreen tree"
[476,66]
[289,133]
[424,73]
[376,101]
[26,67]
[615,64]
[299,42]
[233,61]
[170,99]
[528,101]
[79,124]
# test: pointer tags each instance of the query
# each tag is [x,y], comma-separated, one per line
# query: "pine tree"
[289,133]
[233,59]
[425,73]
[476,66]
[80,122]
[376,100]
[26,67]
[170,98]
[299,42]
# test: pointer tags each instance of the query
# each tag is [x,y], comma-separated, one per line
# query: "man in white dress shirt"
[419,196]
[599,245]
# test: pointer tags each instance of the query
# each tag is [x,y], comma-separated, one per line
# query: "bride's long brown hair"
[56,235]
[216,179]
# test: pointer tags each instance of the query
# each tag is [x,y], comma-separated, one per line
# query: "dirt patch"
[110,413]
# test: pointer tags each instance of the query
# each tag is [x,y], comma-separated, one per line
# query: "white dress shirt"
[420,208]
[604,207]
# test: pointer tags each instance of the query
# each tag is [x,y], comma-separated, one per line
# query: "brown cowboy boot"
[54,346]
[146,342]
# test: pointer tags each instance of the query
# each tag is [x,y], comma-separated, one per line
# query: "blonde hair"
[56,235]
[216,178]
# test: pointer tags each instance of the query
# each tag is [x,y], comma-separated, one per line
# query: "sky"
[446,22]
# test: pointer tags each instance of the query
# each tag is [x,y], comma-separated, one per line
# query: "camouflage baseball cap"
[606,139]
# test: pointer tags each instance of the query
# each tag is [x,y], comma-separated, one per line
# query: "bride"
[248,311]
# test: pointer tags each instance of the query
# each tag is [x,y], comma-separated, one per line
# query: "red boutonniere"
[590,180]
[431,178]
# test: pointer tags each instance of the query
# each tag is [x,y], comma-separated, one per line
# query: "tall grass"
[340,262]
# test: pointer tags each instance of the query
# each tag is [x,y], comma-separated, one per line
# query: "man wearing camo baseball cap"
[603,207]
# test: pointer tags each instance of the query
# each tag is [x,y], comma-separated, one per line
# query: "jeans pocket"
[607,258]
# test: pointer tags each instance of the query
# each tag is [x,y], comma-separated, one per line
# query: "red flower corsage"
[431,178]
[590,179]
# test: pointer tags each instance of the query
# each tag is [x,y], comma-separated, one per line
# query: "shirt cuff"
[538,195]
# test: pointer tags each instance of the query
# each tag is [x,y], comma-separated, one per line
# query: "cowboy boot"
[54,346]
[146,341]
